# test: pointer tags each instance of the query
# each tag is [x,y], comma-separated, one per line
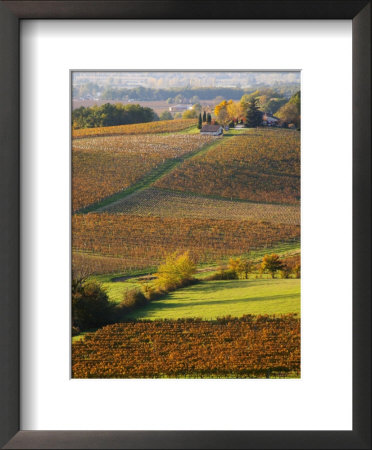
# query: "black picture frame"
[11,12]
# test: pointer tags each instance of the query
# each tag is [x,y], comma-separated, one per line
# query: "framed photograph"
[186,232]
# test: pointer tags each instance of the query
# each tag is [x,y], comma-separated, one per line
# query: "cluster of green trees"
[291,111]
[110,115]
[268,99]
[204,118]
[288,113]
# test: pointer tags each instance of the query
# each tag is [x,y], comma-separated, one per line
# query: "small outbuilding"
[270,120]
[213,130]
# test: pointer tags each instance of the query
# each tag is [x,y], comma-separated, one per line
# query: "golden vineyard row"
[162,126]
[242,348]
[262,167]
[145,241]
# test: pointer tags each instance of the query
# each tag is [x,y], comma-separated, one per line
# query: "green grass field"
[212,299]
[116,289]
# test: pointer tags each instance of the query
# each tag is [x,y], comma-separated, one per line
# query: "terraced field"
[164,203]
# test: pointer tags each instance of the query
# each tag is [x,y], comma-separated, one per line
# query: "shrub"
[151,293]
[297,271]
[229,274]
[75,331]
[176,272]
[133,299]
[91,307]
[166,115]
[272,263]
[241,266]
[284,272]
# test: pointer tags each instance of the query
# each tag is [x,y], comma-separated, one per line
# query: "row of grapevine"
[145,241]
[164,203]
[105,165]
[249,347]
[261,167]
[162,126]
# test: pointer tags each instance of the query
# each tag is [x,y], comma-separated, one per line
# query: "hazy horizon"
[178,79]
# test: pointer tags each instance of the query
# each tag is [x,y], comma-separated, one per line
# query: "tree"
[209,118]
[204,116]
[235,111]
[190,114]
[177,271]
[272,263]
[197,107]
[245,267]
[244,101]
[200,122]
[110,115]
[221,112]
[165,115]
[242,266]
[178,99]
[254,115]
[234,264]
[91,307]
[291,111]
[297,271]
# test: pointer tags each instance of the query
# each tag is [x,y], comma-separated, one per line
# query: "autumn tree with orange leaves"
[271,263]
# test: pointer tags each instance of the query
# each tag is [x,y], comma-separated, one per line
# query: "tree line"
[111,115]
[250,110]
[180,94]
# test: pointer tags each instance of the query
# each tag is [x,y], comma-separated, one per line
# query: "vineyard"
[185,247]
[249,347]
[263,167]
[98,264]
[163,126]
[177,204]
[102,166]
[144,241]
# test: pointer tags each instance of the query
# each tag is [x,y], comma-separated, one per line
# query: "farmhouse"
[213,130]
[270,120]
